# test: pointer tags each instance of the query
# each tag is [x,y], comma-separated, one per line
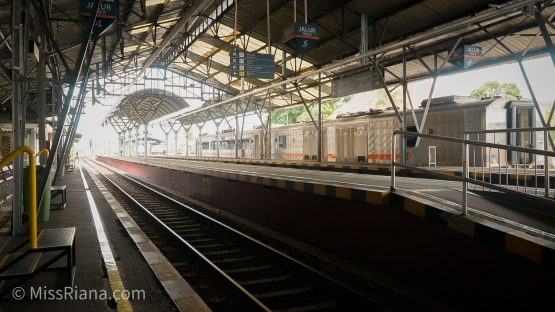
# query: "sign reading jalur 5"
[466,56]
[106,15]
[300,36]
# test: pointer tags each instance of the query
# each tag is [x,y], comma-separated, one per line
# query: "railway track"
[229,270]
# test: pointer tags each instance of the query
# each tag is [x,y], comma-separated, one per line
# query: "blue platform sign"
[251,65]
[300,36]
[466,56]
[106,15]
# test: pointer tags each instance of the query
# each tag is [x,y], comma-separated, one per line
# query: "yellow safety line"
[116,284]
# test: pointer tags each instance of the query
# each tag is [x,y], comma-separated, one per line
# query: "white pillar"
[137,142]
[146,141]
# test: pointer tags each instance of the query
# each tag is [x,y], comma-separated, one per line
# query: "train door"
[351,144]
[522,116]
[310,144]
[324,145]
[256,146]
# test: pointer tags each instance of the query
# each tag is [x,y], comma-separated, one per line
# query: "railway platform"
[489,258]
[110,272]
[532,176]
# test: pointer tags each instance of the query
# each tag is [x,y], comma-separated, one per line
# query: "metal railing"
[515,158]
[465,162]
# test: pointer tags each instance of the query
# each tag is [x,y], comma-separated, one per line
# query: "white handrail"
[465,156]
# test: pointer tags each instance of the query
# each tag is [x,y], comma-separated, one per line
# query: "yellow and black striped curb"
[383,169]
[182,294]
[377,197]
[533,248]
[5,225]
[290,163]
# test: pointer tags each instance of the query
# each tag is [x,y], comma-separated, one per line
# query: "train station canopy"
[192,41]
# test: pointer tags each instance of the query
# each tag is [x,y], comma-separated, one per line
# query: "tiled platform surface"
[90,273]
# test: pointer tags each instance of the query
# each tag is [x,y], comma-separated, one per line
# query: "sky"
[541,73]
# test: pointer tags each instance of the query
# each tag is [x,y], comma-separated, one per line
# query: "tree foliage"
[298,113]
[494,88]
[383,99]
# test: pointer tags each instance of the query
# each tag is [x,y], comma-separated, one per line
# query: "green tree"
[551,123]
[298,113]
[383,99]
[494,88]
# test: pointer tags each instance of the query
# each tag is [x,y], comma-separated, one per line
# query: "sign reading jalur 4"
[106,15]
[300,36]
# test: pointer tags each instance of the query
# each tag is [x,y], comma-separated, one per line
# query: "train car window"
[411,141]
[282,141]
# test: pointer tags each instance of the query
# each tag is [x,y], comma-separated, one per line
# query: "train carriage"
[366,136]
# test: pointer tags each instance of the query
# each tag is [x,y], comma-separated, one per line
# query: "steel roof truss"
[5,40]
[53,42]
[135,109]
[421,60]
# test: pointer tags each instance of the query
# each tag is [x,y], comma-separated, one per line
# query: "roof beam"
[197,6]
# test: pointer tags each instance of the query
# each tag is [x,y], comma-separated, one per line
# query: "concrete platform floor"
[90,273]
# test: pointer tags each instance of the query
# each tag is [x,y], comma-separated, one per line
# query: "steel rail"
[234,283]
[291,260]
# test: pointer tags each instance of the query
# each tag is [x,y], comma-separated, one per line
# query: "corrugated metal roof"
[210,37]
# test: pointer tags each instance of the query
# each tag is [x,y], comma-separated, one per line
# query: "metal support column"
[32,143]
[137,141]
[269,128]
[237,130]
[218,140]
[186,142]
[120,139]
[200,141]
[175,132]
[283,68]
[20,22]
[129,143]
[167,144]
[237,119]
[123,145]
[145,141]
[404,140]
[320,122]
[364,37]
[41,95]
[74,77]
[536,104]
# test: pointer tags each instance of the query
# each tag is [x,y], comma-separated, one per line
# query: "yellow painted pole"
[44,150]
[32,201]
[32,189]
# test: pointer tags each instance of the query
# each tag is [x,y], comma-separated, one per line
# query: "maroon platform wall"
[409,248]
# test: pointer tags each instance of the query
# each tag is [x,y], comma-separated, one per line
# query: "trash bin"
[44,212]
